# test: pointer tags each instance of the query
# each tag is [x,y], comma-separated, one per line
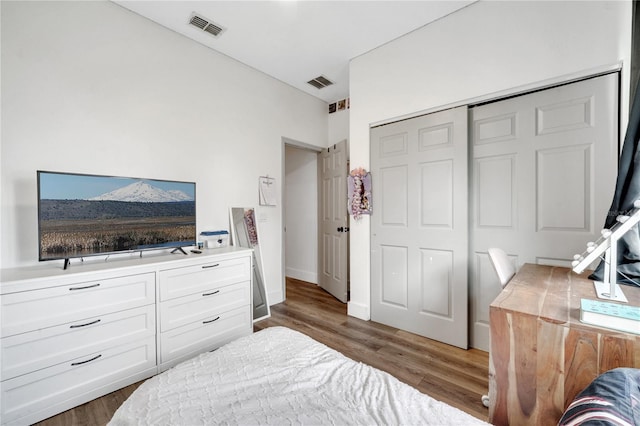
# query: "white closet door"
[543,173]
[419,226]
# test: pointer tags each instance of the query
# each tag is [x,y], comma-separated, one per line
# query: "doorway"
[300,198]
[315,234]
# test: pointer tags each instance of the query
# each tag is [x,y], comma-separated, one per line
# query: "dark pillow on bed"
[613,398]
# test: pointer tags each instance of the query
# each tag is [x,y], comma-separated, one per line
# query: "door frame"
[311,148]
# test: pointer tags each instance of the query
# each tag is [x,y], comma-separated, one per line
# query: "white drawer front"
[32,310]
[39,349]
[204,335]
[193,279]
[40,389]
[204,305]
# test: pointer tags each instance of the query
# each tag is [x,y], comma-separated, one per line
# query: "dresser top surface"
[26,278]
[552,293]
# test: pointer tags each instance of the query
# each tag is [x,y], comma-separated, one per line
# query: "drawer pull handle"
[84,325]
[210,266]
[73,364]
[85,287]
[212,293]
[210,321]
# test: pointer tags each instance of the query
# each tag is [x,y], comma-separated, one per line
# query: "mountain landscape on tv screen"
[143,192]
[134,217]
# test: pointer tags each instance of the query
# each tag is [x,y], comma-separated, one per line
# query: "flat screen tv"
[87,215]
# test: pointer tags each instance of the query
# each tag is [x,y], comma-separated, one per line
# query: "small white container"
[215,239]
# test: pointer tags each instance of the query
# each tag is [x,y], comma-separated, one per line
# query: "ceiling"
[296,41]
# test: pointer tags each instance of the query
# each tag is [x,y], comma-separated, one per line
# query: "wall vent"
[206,25]
[320,82]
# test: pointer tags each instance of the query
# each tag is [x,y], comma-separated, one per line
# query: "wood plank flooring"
[446,373]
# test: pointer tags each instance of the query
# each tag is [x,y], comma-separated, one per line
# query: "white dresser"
[204,305]
[70,336]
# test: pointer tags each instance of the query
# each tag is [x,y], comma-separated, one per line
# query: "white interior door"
[334,220]
[543,174]
[419,226]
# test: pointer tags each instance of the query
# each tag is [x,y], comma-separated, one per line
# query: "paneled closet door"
[419,226]
[542,176]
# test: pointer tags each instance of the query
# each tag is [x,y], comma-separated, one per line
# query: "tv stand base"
[180,249]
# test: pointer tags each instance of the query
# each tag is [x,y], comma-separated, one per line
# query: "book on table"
[610,315]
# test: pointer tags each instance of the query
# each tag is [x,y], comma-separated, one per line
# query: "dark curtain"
[627,191]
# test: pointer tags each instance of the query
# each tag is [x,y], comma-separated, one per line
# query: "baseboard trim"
[298,274]
[358,310]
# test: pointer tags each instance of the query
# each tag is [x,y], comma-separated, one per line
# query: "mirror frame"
[244,233]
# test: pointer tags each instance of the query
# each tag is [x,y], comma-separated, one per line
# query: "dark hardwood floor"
[446,373]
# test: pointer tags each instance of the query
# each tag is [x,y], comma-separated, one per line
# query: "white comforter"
[278,376]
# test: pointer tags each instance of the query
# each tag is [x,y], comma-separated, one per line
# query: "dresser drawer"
[204,305]
[39,349]
[32,310]
[37,391]
[203,277]
[188,340]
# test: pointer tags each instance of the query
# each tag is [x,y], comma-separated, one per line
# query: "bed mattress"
[280,376]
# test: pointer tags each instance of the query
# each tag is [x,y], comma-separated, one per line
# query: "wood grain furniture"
[69,336]
[541,355]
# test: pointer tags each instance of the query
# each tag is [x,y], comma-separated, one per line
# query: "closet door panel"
[394,197]
[544,169]
[494,185]
[420,227]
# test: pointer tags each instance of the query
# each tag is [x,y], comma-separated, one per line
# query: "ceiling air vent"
[320,82]
[206,25]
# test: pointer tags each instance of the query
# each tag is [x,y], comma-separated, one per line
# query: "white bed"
[280,376]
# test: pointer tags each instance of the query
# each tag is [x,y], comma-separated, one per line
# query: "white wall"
[489,47]
[91,87]
[301,214]
[339,127]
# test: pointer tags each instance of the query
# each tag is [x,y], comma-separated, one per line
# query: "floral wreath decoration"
[359,192]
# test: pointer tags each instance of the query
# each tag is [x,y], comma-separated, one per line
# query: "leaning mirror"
[244,233]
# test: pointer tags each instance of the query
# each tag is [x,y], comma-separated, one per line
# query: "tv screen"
[86,215]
